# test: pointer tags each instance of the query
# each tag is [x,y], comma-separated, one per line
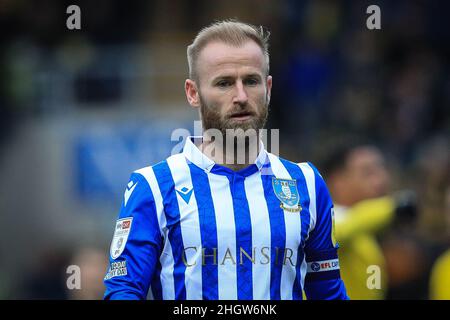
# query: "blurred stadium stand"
[80,110]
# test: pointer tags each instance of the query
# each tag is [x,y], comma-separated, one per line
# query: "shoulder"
[312,168]
[302,170]
[312,174]
[145,171]
[307,168]
[161,172]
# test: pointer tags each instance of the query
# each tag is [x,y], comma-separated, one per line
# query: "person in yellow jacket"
[359,183]
[440,278]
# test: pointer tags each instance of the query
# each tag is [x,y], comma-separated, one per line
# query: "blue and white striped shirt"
[192,229]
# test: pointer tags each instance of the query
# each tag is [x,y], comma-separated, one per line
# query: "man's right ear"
[192,95]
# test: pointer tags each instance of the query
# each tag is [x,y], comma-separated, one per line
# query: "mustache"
[241,112]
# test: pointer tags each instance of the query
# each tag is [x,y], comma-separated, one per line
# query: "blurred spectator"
[431,175]
[47,280]
[440,278]
[354,174]
[411,249]
[440,274]
[93,264]
[408,261]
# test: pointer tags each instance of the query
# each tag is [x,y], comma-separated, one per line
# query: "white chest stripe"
[311,185]
[261,236]
[226,235]
[190,226]
[293,235]
[166,259]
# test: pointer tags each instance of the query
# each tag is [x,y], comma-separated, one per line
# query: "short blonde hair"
[231,32]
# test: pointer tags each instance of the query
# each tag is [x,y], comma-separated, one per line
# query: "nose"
[241,96]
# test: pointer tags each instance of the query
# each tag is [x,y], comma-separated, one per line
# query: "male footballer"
[204,225]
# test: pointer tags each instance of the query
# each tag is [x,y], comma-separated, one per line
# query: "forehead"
[217,57]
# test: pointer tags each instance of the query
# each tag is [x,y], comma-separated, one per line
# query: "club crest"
[287,192]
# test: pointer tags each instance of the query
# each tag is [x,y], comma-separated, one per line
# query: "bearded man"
[225,219]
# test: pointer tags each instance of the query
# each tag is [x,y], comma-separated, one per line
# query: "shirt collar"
[194,155]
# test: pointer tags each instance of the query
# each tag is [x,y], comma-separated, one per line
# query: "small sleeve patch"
[323,266]
[333,229]
[117,269]
[121,232]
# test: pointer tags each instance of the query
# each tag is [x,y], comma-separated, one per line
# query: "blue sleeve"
[136,244]
[323,280]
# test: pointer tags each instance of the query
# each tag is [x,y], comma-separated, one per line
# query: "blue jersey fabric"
[192,229]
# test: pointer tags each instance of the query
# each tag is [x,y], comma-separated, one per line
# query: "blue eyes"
[223,84]
[251,82]
[247,82]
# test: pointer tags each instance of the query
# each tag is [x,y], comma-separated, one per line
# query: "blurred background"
[81,109]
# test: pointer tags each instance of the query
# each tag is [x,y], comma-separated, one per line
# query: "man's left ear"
[269,88]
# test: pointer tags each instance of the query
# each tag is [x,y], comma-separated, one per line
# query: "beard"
[213,119]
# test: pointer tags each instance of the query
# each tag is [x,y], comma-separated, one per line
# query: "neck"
[235,155]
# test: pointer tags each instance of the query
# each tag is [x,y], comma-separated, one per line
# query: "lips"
[241,115]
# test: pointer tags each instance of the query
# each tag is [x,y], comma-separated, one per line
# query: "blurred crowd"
[335,82]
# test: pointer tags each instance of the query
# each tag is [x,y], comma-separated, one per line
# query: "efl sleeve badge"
[123,227]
